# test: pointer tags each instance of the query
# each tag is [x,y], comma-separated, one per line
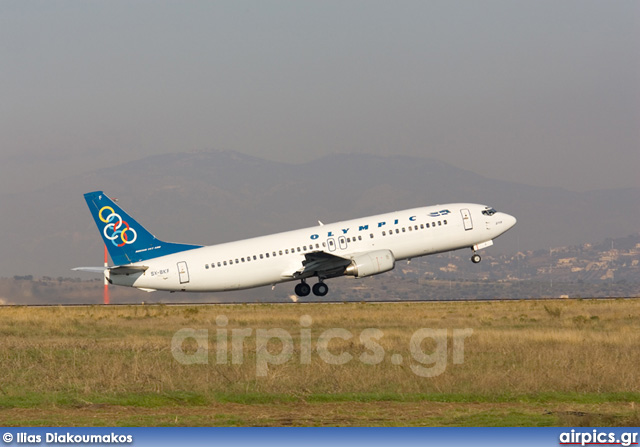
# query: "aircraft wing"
[322,264]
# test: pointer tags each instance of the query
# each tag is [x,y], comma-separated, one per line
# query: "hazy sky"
[539,92]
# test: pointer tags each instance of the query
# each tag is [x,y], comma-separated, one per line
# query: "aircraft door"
[466,219]
[343,242]
[183,272]
[331,244]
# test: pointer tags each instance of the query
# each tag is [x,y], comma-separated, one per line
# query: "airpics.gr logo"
[117,229]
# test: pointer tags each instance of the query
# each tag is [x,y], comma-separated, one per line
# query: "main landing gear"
[476,258]
[319,289]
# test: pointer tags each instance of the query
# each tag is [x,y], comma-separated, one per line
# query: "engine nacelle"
[371,263]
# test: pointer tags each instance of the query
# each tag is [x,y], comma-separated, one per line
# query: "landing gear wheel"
[303,289]
[476,258]
[320,289]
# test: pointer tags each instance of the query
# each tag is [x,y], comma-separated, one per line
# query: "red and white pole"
[106,283]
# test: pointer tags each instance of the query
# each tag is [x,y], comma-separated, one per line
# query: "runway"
[244,303]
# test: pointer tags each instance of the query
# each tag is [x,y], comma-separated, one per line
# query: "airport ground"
[515,363]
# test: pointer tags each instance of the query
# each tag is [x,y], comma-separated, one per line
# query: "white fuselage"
[275,258]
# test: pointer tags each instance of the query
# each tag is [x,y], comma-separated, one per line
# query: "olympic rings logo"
[117,229]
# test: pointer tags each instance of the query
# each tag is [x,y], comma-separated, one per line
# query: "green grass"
[182,398]
[527,363]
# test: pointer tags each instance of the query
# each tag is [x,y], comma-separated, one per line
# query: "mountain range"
[218,196]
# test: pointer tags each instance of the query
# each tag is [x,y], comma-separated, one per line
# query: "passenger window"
[280,252]
[219,265]
[359,238]
[304,248]
[397,231]
[384,234]
[298,249]
[428,225]
[237,262]
[274,254]
[371,235]
[404,230]
[242,259]
[422,226]
[255,258]
[206,266]
[261,256]
[317,245]
[267,255]
[439,223]
[444,221]
[225,262]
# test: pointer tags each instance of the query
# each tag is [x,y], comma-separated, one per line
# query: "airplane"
[358,248]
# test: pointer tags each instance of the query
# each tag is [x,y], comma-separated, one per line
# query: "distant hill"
[212,197]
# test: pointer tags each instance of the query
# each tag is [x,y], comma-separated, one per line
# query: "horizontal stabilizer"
[128,269]
[90,269]
[116,270]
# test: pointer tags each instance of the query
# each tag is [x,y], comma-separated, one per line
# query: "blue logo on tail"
[116,229]
[127,241]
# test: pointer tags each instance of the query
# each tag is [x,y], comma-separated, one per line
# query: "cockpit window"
[488,211]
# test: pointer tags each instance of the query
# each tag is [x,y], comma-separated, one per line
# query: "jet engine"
[370,263]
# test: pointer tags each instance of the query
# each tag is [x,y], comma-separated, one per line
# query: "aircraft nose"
[509,221]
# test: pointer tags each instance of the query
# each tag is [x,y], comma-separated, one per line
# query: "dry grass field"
[572,362]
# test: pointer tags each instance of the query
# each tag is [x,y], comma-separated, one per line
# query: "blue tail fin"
[127,240]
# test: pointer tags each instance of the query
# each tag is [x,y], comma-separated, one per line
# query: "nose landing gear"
[476,258]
